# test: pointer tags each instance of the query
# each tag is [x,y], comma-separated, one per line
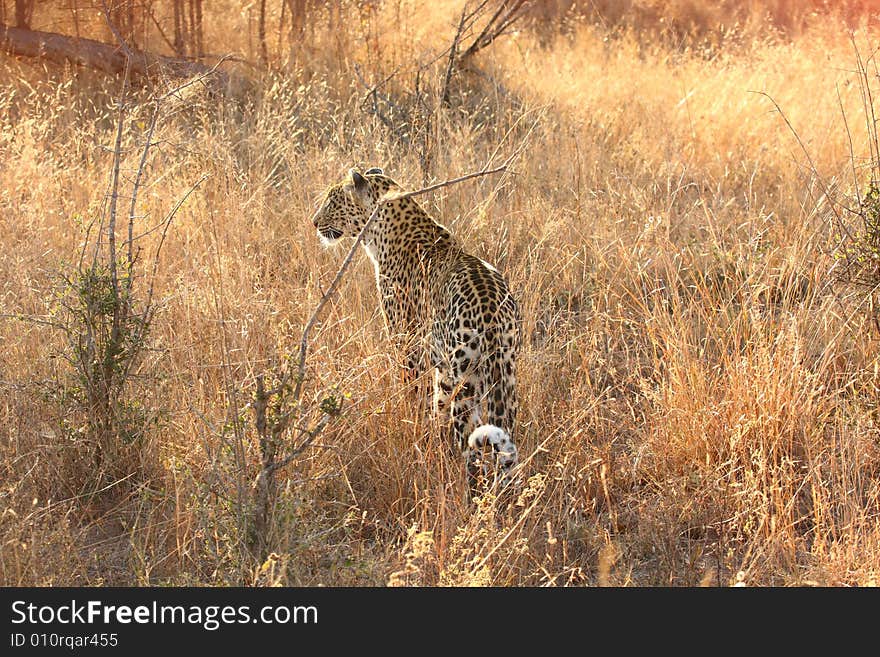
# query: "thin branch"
[162,34]
[136,188]
[472,49]
[496,26]
[311,435]
[852,153]
[157,106]
[198,78]
[867,102]
[168,219]
[114,190]
[129,53]
[453,51]
[813,169]
[148,311]
[33,320]
[376,96]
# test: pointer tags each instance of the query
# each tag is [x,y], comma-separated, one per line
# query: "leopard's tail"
[504,451]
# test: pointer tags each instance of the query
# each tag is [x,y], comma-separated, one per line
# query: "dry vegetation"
[699,388]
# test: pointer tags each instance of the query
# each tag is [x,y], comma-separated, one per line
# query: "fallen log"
[61,49]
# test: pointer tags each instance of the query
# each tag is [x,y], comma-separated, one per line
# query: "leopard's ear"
[359,182]
[374,170]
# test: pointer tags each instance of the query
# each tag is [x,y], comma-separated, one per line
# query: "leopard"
[449,313]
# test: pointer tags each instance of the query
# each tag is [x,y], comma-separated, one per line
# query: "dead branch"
[453,52]
[376,96]
[149,309]
[507,13]
[261,34]
[63,49]
[148,144]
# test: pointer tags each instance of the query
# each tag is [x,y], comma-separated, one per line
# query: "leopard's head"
[347,205]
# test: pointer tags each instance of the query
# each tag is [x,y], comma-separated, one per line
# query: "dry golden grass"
[699,400]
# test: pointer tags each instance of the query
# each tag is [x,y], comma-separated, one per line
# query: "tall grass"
[698,393]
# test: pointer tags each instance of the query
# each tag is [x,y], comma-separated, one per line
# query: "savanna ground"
[700,369]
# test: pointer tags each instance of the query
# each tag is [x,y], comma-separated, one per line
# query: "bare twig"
[373,92]
[453,51]
[113,190]
[261,34]
[867,102]
[149,311]
[134,194]
[162,34]
[825,191]
[496,26]
[129,53]
[311,435]
[852,153]
[33,320]
[121,305]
